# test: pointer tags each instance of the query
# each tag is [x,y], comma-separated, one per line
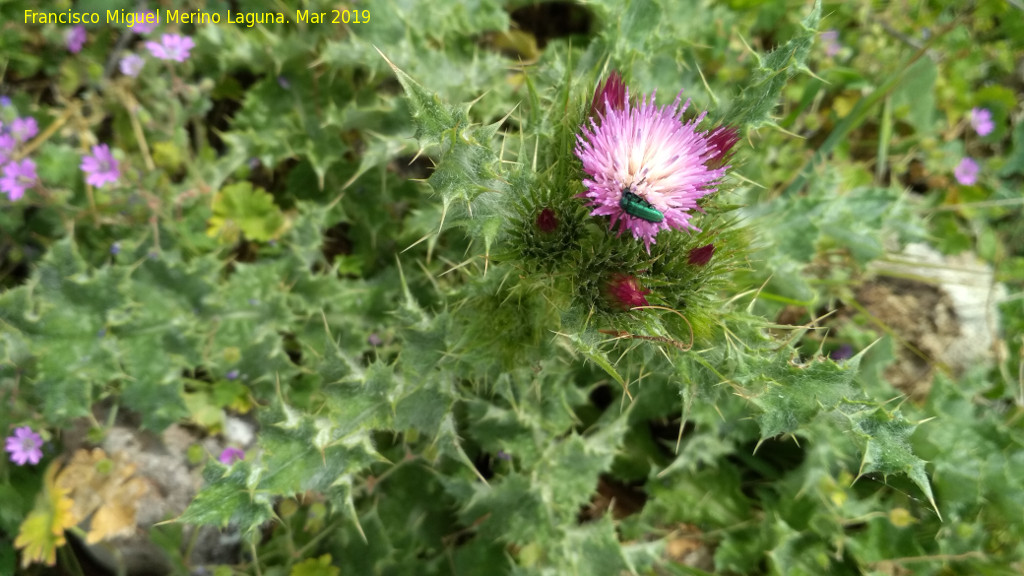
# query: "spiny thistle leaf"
[885,440]
[242,208]
[231,496]
[755,105]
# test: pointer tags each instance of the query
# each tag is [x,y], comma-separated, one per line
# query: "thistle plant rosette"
[647,168]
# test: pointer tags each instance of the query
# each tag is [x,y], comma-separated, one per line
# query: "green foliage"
[368,239]
[239,208]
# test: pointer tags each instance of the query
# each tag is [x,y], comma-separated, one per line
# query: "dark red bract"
[701,256]
[624,292]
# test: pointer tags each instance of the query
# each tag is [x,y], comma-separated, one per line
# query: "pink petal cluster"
[650,152]
[25,446]
[966,171]
[101,167]
[981,121]
[229,456]
[16,176]
[171,47]
[75,38]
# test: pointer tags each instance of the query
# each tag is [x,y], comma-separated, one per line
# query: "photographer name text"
[248,19]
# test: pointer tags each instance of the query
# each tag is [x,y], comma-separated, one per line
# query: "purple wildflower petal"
[141,26]
[229,456]
[171,47]
[18,177]
[966,171]
[25,446]
[75,39]
[101,167]
[131,65]
[24,129]
[981,121]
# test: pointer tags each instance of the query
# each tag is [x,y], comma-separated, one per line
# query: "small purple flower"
[131,65]
[7,145]
[981,121]
[101,167]
[18,177]
[5,101]
[141,25]
[75,39]
[650,153]
[284,83]
[24,129]
[966,171]
[830,40]
[25,446]
[231,375]
[229,456]
[844,352]
[115,248]
[502,455]
[171,47]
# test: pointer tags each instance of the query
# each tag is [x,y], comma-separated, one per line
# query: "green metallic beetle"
[637,206]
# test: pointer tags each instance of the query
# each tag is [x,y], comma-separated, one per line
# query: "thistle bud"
[624,292]
[547,222]
[722,139]
[701,256]
[611,94]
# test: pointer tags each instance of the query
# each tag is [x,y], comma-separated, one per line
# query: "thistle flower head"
[647,168]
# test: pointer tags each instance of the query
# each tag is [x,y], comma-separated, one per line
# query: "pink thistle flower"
[966,171]
[18,177]
[624,292]
[612,94]
[25,446]
[171,47]
[101,167]
[229,456]
[981,121]
[646,167]
[131,65]
[75,39]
